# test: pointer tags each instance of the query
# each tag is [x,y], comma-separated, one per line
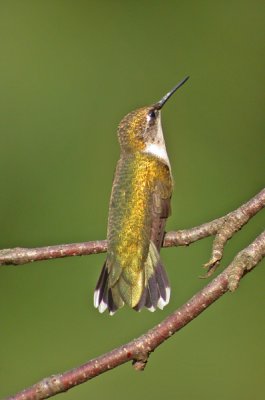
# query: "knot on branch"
[140,362]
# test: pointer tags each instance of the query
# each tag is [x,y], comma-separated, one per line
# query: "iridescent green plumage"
[136,203]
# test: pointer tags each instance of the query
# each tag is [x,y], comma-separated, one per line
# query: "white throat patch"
[158,147]
[158,150]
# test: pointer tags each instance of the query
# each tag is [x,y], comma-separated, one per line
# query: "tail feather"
[152,292]
[101,286]
[155,295]
[142,303]
[162,282]
[157,292]
[111,305]
[103,296]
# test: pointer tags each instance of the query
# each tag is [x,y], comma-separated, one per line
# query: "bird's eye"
[152,114]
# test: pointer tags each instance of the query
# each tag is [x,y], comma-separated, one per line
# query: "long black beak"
[160,103]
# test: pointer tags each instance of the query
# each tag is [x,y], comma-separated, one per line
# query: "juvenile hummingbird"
[133,273]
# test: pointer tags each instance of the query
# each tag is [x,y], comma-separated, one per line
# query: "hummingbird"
[133,273]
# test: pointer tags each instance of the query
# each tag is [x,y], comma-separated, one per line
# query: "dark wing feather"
[160,210]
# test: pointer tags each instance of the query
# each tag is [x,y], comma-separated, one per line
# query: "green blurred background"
[69,71]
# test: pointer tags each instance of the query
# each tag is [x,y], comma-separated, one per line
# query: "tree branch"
[223,228]
[139,349]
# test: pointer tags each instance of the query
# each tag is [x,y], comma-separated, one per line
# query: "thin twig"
[139,349]
[223,228]
[233,222]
